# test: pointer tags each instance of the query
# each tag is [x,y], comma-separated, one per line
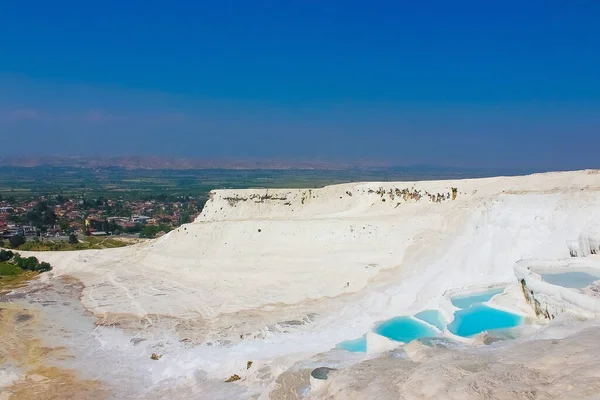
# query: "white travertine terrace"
[282,275]
[589,240]
[256,247]
[548,299]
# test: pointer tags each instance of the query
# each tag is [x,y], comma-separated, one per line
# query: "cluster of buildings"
[5,223]
[7,230]
[92,216]
[98,226]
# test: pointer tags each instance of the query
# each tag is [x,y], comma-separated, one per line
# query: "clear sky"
[465,83]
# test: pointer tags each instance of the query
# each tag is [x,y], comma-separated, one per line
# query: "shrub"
[134,229]
[6,255]
[73,239]
[43,267]
[150,231]
[29,263]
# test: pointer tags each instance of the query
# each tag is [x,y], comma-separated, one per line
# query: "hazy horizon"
[247,163]
[464,84]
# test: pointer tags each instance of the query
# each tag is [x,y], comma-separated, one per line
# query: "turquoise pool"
[472,318]
[404,329]
[479,318]
[472,299]
[432,317]
[574,279]
[356,346]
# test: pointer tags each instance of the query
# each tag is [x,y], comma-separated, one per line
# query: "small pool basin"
[404,329]
[355,346]
[571,279]
[475,298]
[479,318]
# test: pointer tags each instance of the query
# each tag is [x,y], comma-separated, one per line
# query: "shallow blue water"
[432,317]
[575,279]
[481,297]
[356,346]
[479,318]
[404,329]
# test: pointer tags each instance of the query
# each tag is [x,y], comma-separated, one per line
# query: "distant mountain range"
[183,163]
[157,162]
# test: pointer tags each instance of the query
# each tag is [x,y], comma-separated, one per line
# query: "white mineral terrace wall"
[589,240]
[278,276]
[381,198]
[398,244]
[547,299]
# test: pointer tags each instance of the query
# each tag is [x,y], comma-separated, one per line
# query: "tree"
[29,263]
[16,241]
[64,225]
[6,255]
[41,215]
[185,218]
[113,226]
[150,231]
[17,219]
[73,239]
[134,229]
[43,267]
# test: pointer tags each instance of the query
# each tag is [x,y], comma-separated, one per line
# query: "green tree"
[41,215]
[29,263]
[73,239]
[43,267]
[133,229]
[113,226]
[16,241]
[64,225]
[185,218]
[6,255]
[17,219]
[150,231]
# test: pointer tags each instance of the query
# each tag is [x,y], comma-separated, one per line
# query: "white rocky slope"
[251,248]
[550,366]
[285,274]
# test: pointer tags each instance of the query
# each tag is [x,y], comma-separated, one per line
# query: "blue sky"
[465,83]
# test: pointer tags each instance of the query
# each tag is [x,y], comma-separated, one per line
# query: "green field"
[7,269]
[23,182]
[12,277]
[87,243]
